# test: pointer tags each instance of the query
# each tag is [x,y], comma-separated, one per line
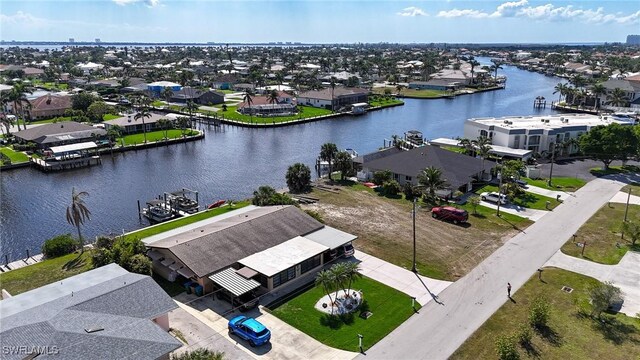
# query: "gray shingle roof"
[121,303]
[64,127]
[215,246]
[456,168]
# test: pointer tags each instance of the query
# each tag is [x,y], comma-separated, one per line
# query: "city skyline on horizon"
[320,22]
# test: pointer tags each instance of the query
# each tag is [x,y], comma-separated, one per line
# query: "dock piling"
[28,256]
[139,211]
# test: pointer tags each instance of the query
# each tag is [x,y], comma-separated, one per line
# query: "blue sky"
[320,21]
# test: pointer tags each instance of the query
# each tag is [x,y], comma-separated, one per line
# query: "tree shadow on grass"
[525,199]
[510,223]
[335,322]
[615,331]
[77,262]
[479,216]
[531,350]
[550,335]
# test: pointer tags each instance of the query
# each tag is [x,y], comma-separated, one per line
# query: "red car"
[450,213]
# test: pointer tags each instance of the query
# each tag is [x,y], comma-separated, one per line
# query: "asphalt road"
[441,327]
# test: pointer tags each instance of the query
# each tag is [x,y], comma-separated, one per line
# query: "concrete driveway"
[531,214]
[621,197]
[548,193]
[286,342]
[625,275]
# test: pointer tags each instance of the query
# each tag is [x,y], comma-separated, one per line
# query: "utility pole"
[626,210]
[414,237]
[553,156]
[499,190]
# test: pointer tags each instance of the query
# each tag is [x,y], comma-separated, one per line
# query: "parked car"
[250,330]
[494,197]
[347,249]
[246,301]
[450,213]
[521,183]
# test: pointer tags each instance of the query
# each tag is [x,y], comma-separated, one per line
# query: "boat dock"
[30,260]
[47,166]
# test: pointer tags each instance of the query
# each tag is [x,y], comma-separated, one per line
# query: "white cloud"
[149,3]
[547,12]
[412,11]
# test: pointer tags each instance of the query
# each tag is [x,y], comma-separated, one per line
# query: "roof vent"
[93,329]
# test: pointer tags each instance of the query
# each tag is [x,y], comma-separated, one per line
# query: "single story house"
[458,170]
[249,249]
[105,311]
[49,106]
[130,125]
[337,98]
[155,88]
[225,81]
[435,84]
[197,96]
[61,133]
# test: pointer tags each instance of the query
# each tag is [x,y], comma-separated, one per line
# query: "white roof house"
[283,256]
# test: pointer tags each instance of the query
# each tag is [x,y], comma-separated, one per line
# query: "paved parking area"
[286,342]
[625,275]
[424,289]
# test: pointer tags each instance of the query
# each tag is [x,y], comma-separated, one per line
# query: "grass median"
[559,183]
[390,308]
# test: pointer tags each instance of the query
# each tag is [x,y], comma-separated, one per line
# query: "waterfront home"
[435,84]
[537,133]
[156,88]
[197,96]
[249,249]
[630,86]
[333,98]
[49,106]
[107,310]
[130,125]
[458,170]
[225,81]
[451,75]
[60,133]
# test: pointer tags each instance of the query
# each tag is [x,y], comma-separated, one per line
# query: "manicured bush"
[139,263]
[101,257]
[59,245]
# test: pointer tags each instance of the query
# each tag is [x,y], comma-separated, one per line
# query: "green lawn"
[599,171]
[158,103]
[307,112]
[635,189]
[602,234]
[45,272]
[226,91]
[414,92]
[110,117]
[152,136]
[572,333]
[455,149]
[49,121]
[169,225]
[528,200]
[14,156]
[559,183]
[383,102]
[390,308]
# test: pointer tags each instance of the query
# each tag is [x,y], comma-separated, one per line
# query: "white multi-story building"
[538,133]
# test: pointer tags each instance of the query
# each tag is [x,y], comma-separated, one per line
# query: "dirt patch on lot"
[384,229]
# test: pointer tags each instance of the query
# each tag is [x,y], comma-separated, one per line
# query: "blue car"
[249,329]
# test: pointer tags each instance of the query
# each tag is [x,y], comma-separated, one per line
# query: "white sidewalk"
[625,275]
[621,197]
[424,289]
[548,193]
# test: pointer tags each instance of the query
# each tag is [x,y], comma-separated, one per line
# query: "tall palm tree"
[327,280]
[561,90]
[143,113]
[191,107]
[248,100]
[340,275]
[473,64]
[166,93]
[165,125]
[352,271]
[598,90]
[399,88]
[78,213]
[328,152]
[18,96]
[467,145]
[618,98]
[332,83]
[272,96]
[483,147]
[431,179]
[496,66]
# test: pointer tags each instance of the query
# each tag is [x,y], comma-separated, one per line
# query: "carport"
[236,282]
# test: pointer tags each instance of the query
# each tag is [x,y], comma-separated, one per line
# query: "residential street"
[441,327]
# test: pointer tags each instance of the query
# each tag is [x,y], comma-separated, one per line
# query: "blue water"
[231,164]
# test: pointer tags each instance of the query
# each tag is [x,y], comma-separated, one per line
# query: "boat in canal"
[180,201]
[157,212]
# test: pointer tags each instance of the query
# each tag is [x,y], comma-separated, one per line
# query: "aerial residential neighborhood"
[317,180]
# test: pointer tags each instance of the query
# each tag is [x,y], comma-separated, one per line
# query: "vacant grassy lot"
[559,183]
[15,156]
[384,229]
[635,189]
[390,308]
[602,234]
[528,200]
[152,136]
[45,272]
[169,225]
[572,333]
[306,112]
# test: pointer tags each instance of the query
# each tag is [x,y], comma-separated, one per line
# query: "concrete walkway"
[625,275]
[440,328]
[548,193]
[424,289]
[621,197]
[531,214]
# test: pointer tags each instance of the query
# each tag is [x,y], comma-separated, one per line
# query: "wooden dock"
[21,263]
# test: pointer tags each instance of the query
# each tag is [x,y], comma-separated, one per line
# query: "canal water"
[230,164]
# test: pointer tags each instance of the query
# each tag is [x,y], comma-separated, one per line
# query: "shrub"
[316,215]
[391,188]
[59,246]
[474,201]
[409,191]
[101,257]
[138,263]
[199,354]
[126,247]
[506,348]
[524,334]
[380,177]
[539,312]
[104,242]
[602,296]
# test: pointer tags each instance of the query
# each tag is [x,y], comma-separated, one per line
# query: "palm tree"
[618,98]
[327,280]
[473,64]
[467,145]
[561,90]
[496,66]
[191,107]
[78,213]
[248,100]
[597,90]
[352,271]
[340,276]
[166,93]
[272,96]
[483,147]
[165,125]
[143,113]
[19,97]
[182,123]
[399,88]
[431,179]
[332,83]
[328,152]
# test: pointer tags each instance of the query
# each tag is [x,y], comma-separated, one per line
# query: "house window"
[284,276]
[395,176]
[407,178]
[484,133]
[516,142]
[309,264]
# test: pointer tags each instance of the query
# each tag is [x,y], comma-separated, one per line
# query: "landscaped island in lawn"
[572,332]
[390,308]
